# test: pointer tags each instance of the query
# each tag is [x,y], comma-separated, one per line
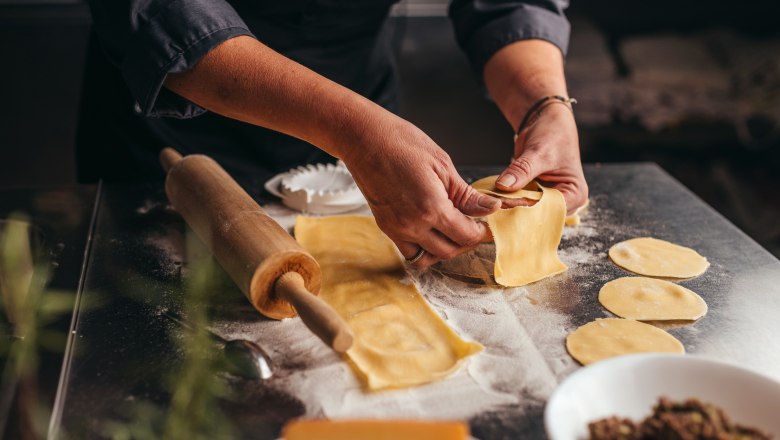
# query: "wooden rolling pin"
[277,275]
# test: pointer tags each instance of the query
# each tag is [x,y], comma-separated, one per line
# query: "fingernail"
[488,202]
[506,180]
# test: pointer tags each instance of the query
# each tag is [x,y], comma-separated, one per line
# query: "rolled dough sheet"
[658,258]
[610,337]
[650,299]
[527,238]
[399,340]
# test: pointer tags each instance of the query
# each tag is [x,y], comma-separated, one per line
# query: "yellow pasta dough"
[527,237]
[319,429]
[399,340]
[649,299]
[658,258]
[575,218]
[607,338]
[487,185]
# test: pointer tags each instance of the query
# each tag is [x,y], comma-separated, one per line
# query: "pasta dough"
[527,237]
[658,258]
[649,299]
[575,218]
[399,340]
[606,338]
[318,429]
[487,185]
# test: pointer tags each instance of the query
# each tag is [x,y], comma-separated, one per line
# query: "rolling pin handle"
[318,316]
[169,157]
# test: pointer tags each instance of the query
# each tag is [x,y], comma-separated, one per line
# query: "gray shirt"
[127,116]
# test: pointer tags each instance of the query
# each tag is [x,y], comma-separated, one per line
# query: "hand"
[412,187]
[548,150]
[416,195]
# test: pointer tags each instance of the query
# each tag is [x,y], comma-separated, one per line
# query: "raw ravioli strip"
[400,340]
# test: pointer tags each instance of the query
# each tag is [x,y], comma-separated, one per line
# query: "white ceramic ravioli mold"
[317,189]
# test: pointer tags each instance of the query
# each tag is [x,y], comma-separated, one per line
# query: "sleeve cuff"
[174,40]
[524,23]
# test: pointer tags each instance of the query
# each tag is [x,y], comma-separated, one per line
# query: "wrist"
[536,109]
[344,128]
[555,127]
[521,73]
[371,128]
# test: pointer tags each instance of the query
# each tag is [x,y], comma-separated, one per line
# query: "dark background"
[692,85]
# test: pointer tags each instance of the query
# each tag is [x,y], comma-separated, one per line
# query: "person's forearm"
[518,76]
[411,185]
[521,73]
[246,80]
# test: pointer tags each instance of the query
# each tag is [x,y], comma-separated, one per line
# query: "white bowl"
[629,386]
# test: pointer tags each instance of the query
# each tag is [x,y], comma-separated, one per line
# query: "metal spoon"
[245,358]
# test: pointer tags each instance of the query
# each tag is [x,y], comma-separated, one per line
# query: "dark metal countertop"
[124,351]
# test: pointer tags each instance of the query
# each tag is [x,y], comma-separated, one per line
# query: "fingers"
[518,174]
[451,232]
[409,250]
[528,166]
[438,227]
[574,195]
[464,231]
[473,203]
[438,246]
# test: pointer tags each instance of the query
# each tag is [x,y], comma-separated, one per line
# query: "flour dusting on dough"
[523,361]
[511,374]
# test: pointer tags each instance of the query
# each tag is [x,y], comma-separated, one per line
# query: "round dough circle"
[610,337]
[658,258]
[649,299]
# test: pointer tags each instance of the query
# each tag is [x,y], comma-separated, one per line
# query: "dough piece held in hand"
[649,299]
[487,185]
[658,258]
[527,237]
[607,338]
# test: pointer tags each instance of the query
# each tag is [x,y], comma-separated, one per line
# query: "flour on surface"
[523,333]
[513,372]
